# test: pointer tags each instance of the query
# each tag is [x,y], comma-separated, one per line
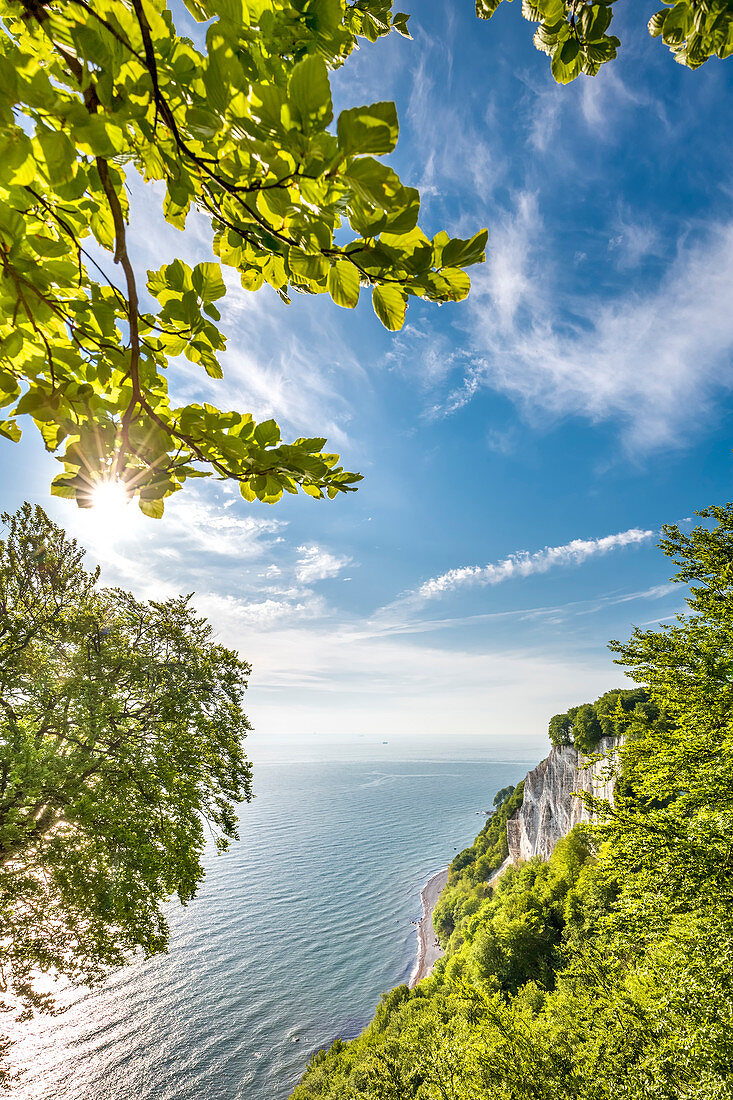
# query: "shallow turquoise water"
[295,934]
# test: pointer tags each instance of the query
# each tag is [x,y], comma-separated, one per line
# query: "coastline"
[428,950]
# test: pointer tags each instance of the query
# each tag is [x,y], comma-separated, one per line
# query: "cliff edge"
[550,808]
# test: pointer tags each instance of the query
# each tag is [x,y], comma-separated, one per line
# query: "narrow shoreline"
[428,949]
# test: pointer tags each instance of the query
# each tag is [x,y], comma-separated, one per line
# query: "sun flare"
[112,518]
[110,499]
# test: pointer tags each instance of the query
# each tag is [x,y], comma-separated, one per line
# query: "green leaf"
[61,487]
[10,430]
[306,266]
[152,508]
[96,136]
[312,491]
[461,253]
[235,11]
[12,344]
[203,124]
[457,283]
[343,284]
[569,51]
[208,282]
[199,11]
[31,402]
[486,8]
[404,212]
[267,434]
[389,304]
[553,11]
[309,92]
[563,73]
[59,154]
[373,181]
[372,129]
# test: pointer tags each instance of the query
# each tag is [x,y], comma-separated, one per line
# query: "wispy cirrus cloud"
[654,360]
[599,105]
[524,564]
[467,158]
[317,564]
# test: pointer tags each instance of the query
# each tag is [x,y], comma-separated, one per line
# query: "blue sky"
[583,391]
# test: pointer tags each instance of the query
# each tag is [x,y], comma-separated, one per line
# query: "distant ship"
[385,742]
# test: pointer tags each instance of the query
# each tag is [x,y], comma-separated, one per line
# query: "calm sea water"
[295,934]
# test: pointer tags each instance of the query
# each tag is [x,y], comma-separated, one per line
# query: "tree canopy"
[121,749]
[239,129]
[585,725]
[574,33]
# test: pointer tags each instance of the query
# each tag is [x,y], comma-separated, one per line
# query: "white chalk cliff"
[550,807]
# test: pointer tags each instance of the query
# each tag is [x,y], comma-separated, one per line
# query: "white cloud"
[634,240]
[201,523]
[232,615]
[466,157]
[653,359]
[317,564]
[319,670]
[508,258]
[524,564]
[338,683]
[598,105]
[428,356]
[199,539]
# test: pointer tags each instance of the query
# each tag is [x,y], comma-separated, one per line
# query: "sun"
[111,519]
[110,500]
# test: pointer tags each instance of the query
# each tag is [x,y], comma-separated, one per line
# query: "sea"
[293,937]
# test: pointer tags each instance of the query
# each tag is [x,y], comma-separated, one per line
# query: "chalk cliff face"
[550,809]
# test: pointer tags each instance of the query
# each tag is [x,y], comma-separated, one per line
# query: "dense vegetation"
[238,125]
[471,870]
[585,725]
[606,972]
[121,750]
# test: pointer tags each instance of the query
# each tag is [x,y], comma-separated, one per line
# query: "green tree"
[121,748]
[502,795]
[609,716]
[671,827]
[560,729]
[587,729]
[574,33]
[240,130]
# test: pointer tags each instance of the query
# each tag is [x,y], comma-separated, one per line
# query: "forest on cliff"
[606,971]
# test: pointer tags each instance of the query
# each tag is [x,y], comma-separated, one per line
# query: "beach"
[428,949]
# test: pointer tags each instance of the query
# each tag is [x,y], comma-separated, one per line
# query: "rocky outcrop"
[550,807]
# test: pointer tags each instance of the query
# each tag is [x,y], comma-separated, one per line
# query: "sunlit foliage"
[584,726]
[575,33]
[240,128]
[121,751]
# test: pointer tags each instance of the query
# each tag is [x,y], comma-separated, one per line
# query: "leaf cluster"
[574,33]
[240,130]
